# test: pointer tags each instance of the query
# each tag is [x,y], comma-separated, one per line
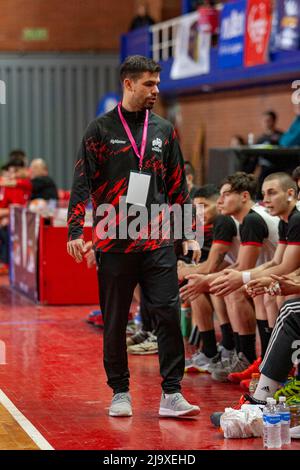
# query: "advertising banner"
[258,30]
[192,49]
[231,42]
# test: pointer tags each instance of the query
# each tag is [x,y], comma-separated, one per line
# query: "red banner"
[258,30]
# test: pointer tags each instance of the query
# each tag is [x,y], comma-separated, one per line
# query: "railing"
[164,37]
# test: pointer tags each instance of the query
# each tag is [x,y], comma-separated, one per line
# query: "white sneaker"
[148,346]
[175,405]
[199,362]
[120,405]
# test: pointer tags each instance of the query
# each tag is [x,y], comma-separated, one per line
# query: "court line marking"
[25,424]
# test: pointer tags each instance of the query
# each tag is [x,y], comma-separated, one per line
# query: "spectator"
[237,141]
[43,187]
[39,186]
[10,195]
[18,155]
[296,178]
[271,135]
[190,175]
[291,138]
[141,19]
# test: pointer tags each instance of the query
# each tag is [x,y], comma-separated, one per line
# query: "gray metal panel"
[50,101]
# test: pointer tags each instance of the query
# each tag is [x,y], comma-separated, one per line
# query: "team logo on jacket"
[156,145]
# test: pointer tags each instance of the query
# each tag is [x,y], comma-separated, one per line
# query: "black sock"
[247,345]
[227,336]
[236,342]
[265,334]
[209,343]
[195,336]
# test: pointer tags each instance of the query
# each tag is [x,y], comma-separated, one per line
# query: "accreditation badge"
[138,188]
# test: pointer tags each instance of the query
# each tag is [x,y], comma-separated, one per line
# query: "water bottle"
[272,427]
[285,421]
[265,428]
[250,139]
[253,382]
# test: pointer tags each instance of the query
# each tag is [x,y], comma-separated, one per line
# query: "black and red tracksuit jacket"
[102,173]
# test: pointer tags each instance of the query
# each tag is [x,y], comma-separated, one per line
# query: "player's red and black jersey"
[289,232]
[102,173]
[253,230]
[224,230]
[208,239]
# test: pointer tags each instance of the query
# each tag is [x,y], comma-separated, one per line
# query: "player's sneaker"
[290,388]
[237,377]
[199,362]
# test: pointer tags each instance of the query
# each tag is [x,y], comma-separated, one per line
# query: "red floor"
[54,375]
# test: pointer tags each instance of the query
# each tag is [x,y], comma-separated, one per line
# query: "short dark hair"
[13,163]
[135,65]
[296,174]
[208,191]
[271,113]
[285,180]
[17,153]
[188,168]
[241,181]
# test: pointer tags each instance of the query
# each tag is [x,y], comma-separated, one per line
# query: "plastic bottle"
[285,421]
[250,139]
[253,382]
[186,320]
[272,427]
[265,428]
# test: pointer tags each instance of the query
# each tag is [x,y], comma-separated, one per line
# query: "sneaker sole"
[120,415]
[142,353]
[177,414]
[194,369]
[219,379]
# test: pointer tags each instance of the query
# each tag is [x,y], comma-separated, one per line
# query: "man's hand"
[194,246]
[89,254]
[197,285]
[283,285]
[184,269]
[76,249]
[229,281]
[258,286]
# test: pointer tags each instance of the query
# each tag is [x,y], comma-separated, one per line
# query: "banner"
[289,24]
[192,49]
[24,226]
[208,19]
[231,42]
[258,30]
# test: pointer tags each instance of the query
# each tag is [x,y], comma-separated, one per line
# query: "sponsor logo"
[117,141]
[233,26]
[258,26]
[156,145]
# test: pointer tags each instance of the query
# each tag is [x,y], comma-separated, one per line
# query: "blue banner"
[289,24]
[231,42]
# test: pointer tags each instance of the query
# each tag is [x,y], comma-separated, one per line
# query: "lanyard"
[140,154]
